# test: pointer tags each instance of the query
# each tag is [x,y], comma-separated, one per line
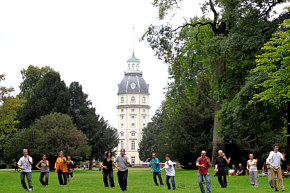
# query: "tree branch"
[192,25]
[274,3]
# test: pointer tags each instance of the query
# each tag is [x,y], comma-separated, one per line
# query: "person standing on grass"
[170,172]
[70,169]
[25,164]
[121,163]
[253,170]
[274,160]
[155,169]
[203,163]
[44,167]
[221,168]
[61,169]
[107,166]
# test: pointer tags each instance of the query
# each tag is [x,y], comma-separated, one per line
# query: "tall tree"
[8,112]
[230,51]
[49,95]
[101,136]
[275,62]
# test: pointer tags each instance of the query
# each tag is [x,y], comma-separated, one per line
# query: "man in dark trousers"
[155,169]
[221,167]
[121,163]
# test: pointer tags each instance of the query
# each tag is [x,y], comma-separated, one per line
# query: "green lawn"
[139,180]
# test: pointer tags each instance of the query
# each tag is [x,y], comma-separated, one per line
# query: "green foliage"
[46,93]
[222,49]
[49,95]
[30,77]
[49,135]
[180,127]
[101,136]
[252,127]
[8,109]
[275,61]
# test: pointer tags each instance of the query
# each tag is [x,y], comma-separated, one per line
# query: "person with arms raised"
[25,164]
[155,169]
[221,167]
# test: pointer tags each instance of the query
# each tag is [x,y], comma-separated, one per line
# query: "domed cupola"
[133,82]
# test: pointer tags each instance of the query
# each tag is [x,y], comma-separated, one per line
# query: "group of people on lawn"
[64,169]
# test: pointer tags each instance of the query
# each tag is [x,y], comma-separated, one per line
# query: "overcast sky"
[87,41]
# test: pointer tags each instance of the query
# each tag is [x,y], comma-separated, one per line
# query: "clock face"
[133,85]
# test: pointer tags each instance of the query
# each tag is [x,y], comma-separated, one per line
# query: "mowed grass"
[139,180]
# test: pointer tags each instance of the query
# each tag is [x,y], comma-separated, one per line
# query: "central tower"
[133,109]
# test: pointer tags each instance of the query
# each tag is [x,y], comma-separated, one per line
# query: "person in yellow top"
[61,169]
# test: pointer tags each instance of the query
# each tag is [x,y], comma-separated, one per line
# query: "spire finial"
[133,41]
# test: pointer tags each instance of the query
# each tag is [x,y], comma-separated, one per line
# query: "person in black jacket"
[221,167]
[107,167]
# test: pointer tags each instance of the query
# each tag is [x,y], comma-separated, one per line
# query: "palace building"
[133,109]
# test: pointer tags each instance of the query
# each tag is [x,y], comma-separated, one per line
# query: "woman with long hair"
[107,166]
[70,169]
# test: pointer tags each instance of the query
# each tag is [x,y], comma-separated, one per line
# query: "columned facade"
[133,109]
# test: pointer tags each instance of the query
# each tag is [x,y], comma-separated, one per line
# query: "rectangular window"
[133,159]
[133,134]
[133,145]
[132,110]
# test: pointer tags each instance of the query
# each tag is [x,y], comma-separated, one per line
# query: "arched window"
[132,145]
[133,99]
[122,99]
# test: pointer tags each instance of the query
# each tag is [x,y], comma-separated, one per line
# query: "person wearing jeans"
[170,172]
[274,160]
[44,167]
[25,164]
[155,168]
[121,163]
[203,163]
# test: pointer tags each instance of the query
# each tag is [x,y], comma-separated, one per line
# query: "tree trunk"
[217,140]
[288,134]
[91,161]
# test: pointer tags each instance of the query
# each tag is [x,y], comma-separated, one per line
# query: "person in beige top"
[253,170]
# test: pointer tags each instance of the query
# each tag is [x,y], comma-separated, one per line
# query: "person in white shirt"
[170,172]
[25,164]
[253,170]
[274,160]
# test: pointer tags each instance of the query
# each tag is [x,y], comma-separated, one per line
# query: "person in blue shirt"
[155,169]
